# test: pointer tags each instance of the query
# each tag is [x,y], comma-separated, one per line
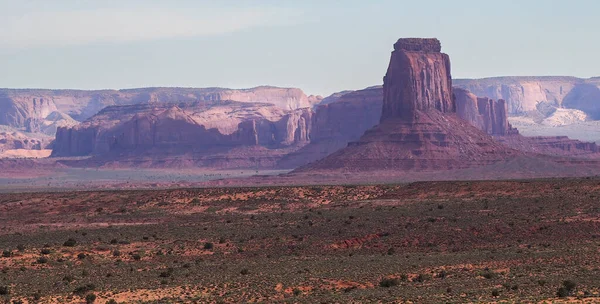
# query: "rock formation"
[484,113]
[344,118]
[552,145]
[524,95]
[17,140]
[419,128]
[43,111]
[158,131]
[419,76]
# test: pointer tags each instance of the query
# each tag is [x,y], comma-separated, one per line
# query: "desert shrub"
[420,278]
[90,298]
[4,290]
[495,293]
[6,254]
[442,274]
[42,260]
[349,289]
[111,301]
[68,279]
[208,246]
[389,282]
[81,256]
[297,292]
[562,292]
[244,271]
[167,273]
[70,243]
[488,274]
[17,302]
[21,247]
[116,253]
[567,289]
[136,256]
[84,288]
[45,251]
[569,285]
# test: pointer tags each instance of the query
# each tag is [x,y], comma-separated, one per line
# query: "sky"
[320,46]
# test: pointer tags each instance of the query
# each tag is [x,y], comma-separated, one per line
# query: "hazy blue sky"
[321,46]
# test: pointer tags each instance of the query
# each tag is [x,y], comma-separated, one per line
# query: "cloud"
[60,28]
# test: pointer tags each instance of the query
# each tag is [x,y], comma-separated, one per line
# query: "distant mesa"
[419,120]
[426,126]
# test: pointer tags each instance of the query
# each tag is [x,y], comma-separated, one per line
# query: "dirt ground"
[531,241]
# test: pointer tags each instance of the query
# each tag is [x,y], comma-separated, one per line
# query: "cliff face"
[552,145]
[171,129]
[33,114]
[418,78]
[16,140]
[484,113]
[344,118]
[419,128]
[33,109]
[525,94]
[348,117]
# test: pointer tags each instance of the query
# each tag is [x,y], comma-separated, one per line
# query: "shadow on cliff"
[585,97]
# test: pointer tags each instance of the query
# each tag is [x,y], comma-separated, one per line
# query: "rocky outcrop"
[431,141]
[17,105]
[419,128]
[166,130]
[552,145]
[484,113]
[24,111]
[418,79]
[16,140]
[524,95]
[337,123]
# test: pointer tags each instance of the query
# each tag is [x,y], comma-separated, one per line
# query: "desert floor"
[425,242]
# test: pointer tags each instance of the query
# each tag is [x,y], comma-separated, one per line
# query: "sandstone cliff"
[491,116]
[484,113]
[17,140]
[166,130]
[37,110]
[344,118]
[418,78]
[525,95]
[419,128]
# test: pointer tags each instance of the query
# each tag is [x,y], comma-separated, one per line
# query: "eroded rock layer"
[527,95]
[337,123]
[419,128]
[484,113]
[161,130]
[418,78]
[43,111]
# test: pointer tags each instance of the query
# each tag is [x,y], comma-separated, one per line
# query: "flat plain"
[425,242]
